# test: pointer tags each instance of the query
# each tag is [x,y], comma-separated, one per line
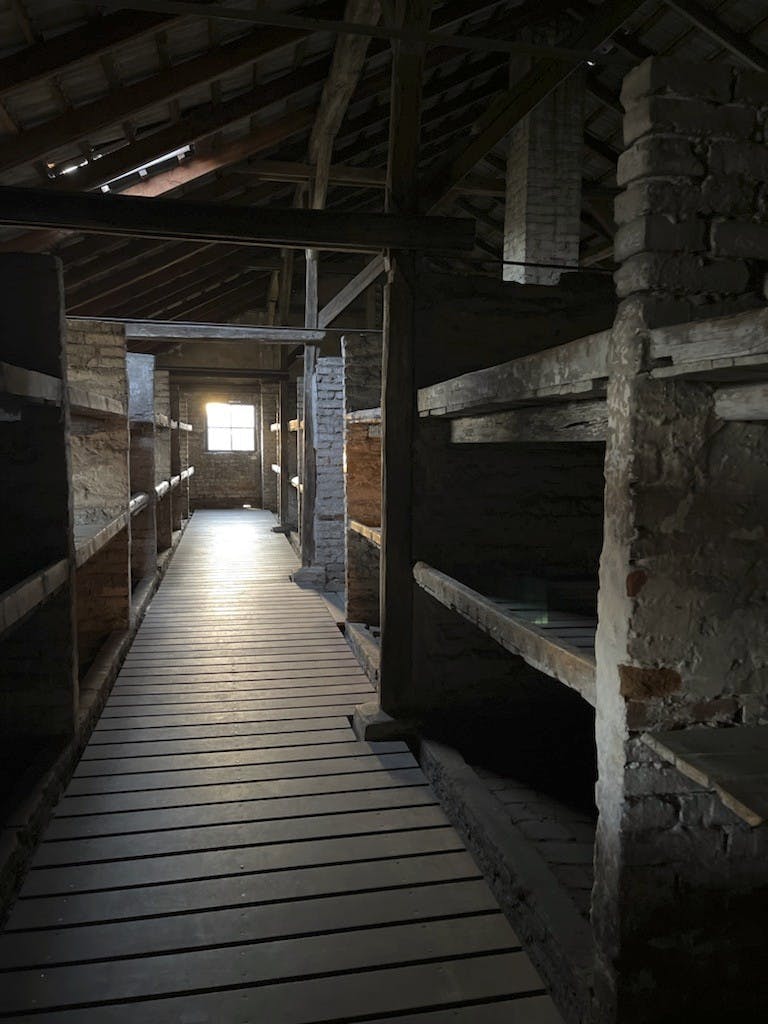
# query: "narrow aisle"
[228,852]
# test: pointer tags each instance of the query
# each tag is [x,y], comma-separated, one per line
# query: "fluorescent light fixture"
[180,154]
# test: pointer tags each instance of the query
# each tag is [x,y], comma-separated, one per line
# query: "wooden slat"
[578,369]
[29,384]
[227,847]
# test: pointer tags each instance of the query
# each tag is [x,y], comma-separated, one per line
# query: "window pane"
[219,439]
[218,414]
[242,440]
[242,415]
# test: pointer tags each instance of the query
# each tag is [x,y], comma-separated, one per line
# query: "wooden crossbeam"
[347,65]
[512,106]
[181,331]
[158,218]
[351,291]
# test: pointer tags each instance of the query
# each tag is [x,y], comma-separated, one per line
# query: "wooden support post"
[398,395]
[38,678]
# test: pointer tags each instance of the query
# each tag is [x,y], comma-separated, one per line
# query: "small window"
[230,427]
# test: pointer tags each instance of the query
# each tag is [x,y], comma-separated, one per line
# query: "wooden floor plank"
[284,887]
[219,927]
[226,836]
[273,789]
[120,980]
[227,851]
[241,811]
[336,997]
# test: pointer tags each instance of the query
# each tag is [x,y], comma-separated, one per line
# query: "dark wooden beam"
[512,106]
[351,291]
[157,218]
[346,68]
[398,388]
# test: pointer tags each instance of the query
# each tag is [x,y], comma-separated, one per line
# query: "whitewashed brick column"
[329,495]
[543,208]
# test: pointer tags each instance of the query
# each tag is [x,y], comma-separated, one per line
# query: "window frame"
[230,429]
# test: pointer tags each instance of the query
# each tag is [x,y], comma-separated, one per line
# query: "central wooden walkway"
[227,851]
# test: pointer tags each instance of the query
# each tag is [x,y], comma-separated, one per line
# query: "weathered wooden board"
[745,403]
[569,422]
[577,369]
[733,762]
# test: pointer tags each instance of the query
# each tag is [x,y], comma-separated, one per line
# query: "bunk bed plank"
[517,630]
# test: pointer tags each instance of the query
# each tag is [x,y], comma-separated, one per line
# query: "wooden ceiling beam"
[114,108]
[147,303]
[212,222]
[346,68]
[181,331]
[240,294]
[204,289]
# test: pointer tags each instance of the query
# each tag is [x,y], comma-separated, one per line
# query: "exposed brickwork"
[329,494]
[542,220]
[362,355]
[103,597]
[162,432]
[96,360]
[680,879]
[269,453]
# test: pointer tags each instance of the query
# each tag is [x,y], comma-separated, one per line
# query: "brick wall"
[162,433]
[99,447]
[329,494]
[542,221]
[222,479]
[679,904]
[362,354]
[269,452]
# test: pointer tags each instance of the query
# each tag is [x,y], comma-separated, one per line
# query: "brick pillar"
[268,445]
[543,209]
[362,356]
[329,494]
[141,414]
[100,482]
[679,906]
[164,511]
[179,500]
